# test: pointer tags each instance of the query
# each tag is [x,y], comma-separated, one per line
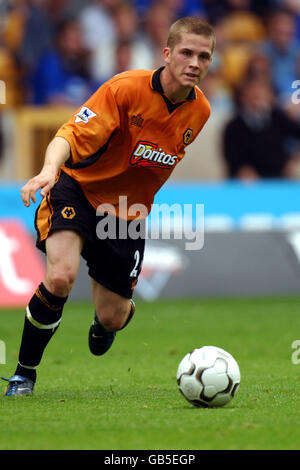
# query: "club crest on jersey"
[84,115]
[187,136]
[148,154]
[68,213]
[136,120]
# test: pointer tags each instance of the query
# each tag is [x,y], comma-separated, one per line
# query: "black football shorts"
[113,262]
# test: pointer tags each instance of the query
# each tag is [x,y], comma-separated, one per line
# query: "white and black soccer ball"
[208,377]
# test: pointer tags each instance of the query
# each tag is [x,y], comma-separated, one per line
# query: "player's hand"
[44,181]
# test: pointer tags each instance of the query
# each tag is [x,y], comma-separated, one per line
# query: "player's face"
[189,60]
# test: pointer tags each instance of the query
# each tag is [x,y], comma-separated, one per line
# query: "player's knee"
[112,318]
[61,281]
[112,323]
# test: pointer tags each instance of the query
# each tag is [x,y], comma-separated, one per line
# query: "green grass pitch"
[128,399]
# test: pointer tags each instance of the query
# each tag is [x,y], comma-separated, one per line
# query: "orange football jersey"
[128,137]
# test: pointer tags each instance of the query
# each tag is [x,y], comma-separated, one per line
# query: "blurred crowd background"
[58,52]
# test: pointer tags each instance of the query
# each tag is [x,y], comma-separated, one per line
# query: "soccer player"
[125,141]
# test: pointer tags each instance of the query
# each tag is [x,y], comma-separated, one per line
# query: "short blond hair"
[191,25]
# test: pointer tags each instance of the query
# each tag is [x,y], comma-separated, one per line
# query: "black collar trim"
[156,85]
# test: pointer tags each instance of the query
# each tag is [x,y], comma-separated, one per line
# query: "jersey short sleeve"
[91,127]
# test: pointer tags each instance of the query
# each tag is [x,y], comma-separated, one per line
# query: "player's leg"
[63,220]
[114,266]
[112,313]
[44,311]
[63,249]
[112,309]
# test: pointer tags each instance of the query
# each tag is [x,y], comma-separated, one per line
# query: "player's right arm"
[57,153]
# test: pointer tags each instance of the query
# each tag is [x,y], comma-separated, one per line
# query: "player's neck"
[171,89]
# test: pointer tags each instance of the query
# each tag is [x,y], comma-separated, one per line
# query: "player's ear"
[167,53]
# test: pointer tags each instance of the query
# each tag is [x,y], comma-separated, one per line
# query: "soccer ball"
[208,377]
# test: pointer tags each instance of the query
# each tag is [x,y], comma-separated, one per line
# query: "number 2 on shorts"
[134,272]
